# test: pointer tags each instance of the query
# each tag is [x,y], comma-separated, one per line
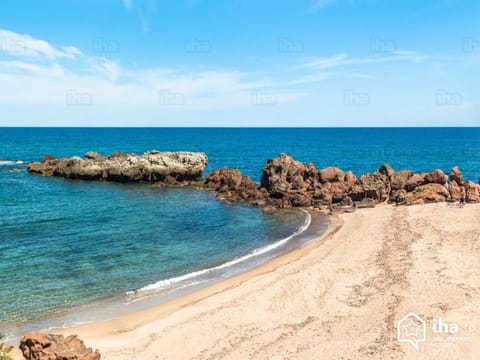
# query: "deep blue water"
[67,243]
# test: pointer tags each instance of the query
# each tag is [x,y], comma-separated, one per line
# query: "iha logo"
[412,329]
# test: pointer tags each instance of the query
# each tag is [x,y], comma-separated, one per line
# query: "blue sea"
[70,249]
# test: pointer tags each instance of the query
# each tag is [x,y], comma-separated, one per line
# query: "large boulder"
[455,190]
[40,346]
[386,169]
[436,176]
[415,181]
[283,176]
[429,193]
[456,176]
[350,180]
[331,174]
[472,192]
[223,179]
[399,179]
[374,186]
[153,166]
[398,197]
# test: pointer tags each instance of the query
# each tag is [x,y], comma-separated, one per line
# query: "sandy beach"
[340,297]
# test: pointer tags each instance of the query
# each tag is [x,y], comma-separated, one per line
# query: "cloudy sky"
[240,63]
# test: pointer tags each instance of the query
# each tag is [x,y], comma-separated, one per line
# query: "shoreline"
[126,304]
[134,320]
[341,296]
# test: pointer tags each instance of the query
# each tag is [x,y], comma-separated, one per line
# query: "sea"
[76,251]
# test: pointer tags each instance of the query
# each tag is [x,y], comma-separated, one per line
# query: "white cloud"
[31,84]
[23,67]
[106,67]
[21,45]
[344,59]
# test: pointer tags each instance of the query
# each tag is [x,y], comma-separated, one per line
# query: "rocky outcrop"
[472,192]
[456,176]
[40,346]
[288,183]
[167,168]
[399,179]
[231,186]
[284,183]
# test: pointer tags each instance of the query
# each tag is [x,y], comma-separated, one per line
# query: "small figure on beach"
[462,198]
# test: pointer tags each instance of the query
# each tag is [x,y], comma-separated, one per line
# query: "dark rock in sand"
[172,168]
[40,346]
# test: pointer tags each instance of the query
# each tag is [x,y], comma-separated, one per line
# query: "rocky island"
[164,168]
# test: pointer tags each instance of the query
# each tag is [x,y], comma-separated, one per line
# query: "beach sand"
[340,297]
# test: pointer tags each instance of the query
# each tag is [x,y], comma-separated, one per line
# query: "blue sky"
[239,63]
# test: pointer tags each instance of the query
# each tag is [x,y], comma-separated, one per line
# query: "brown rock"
[269,209]
[436,176]
[322,194]
[365,203]
[350,179]
[372,186]
[301,200]
[455,190]
[278,175]
[399,179]
[47,158]
[415,181]
[432,192]
[386,169]
[56,347]
[310,173]
[398,197]
[337,190]
[226,179]
[331,174]
[472,191]
[456,176]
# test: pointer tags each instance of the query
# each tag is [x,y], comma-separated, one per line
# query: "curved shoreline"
[150,296]
[134,320]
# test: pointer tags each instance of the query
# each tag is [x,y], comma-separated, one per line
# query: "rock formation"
[40,346]
[166,168]
[288,183]
[284,183]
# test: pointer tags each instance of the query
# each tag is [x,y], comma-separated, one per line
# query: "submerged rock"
[172,168]
[40,346]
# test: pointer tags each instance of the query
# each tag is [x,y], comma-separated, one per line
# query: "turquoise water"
[65,244]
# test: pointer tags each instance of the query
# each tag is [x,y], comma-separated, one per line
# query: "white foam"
[6,162]
[162,284]
[10,162]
